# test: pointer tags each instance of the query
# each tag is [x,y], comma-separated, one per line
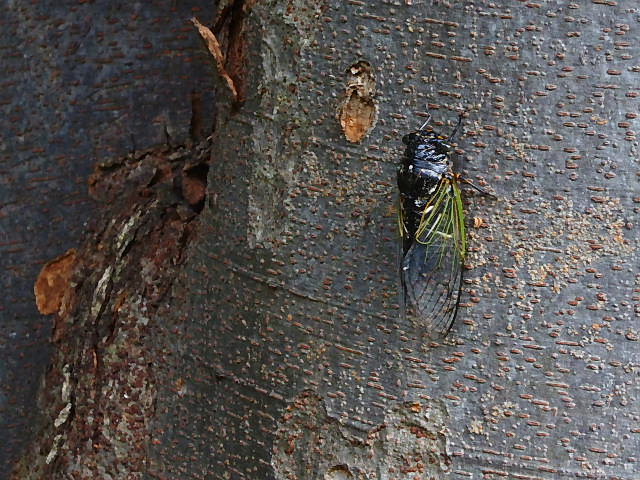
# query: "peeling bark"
[53,283]
[98,399]
[216,52]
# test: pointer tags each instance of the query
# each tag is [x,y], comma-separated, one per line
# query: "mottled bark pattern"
[97,402]
[410,442]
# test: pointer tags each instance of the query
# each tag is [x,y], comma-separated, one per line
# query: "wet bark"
[255,334]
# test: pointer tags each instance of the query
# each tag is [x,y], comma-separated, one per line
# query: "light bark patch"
[410,443]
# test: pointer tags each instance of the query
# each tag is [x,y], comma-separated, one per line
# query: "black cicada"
[432,230]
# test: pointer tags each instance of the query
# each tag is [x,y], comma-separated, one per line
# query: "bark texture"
[82,82]
[271,346]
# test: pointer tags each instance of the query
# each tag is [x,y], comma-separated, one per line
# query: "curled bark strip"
[214,48]
[358,111]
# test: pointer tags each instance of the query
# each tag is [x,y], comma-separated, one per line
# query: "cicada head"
[419,136]
[426,146]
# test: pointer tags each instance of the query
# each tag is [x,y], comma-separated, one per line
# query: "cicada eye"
[443,148]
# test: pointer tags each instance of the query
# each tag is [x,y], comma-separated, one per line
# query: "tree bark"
[82,82]
[257,335]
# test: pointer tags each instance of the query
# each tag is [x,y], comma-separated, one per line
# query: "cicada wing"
[403,293]
[431,269]
[432,286]
[402,243]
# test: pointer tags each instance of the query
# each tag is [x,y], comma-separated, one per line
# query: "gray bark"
[279,352]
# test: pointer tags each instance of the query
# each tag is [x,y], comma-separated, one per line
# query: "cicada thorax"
[424,166]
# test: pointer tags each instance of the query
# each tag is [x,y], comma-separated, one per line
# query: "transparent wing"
[431,269]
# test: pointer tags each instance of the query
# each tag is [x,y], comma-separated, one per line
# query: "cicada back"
[433,241]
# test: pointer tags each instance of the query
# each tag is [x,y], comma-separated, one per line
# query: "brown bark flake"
[227,44]
[53,282]
[213,45]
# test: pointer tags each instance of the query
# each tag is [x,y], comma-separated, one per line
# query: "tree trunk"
[82,82]
[257,335]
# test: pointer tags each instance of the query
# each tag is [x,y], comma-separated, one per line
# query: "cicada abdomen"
[432,231]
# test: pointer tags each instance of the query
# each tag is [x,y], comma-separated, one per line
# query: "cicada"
[433,238]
